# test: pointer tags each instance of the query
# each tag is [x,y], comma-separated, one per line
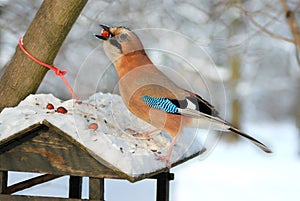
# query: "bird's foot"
[134,133]
[165,159]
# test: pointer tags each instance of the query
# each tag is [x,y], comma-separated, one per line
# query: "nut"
[50,106]
[93,126]
[61,110]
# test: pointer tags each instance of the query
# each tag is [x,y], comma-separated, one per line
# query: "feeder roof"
[103,126]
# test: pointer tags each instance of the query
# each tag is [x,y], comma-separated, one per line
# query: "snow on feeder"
[92,138]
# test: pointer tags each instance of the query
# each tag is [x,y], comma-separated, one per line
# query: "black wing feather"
[199,103]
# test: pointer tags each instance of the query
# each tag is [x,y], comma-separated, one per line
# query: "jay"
[153,97]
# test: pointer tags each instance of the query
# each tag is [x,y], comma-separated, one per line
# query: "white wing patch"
[191,105]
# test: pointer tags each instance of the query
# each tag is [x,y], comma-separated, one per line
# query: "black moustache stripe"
[115,43]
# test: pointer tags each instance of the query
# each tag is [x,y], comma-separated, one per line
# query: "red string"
[57,71]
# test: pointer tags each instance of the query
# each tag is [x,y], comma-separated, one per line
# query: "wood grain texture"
[34,198]
[3,181]
[96,189]
[29,183]
[43,39]
[45,150]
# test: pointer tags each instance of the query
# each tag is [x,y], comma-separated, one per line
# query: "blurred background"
[238,54]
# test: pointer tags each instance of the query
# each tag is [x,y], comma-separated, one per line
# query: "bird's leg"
[143,134]
[166,158]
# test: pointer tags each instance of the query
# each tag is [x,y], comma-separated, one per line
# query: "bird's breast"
[171,123]
[147,80]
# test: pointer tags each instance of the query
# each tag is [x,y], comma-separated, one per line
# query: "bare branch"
[297,7]
[293,24]
[262,27]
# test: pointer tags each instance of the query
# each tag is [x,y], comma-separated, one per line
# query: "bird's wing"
[191,105]
[196,107]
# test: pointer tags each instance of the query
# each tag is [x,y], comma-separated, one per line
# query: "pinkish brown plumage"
[152,96]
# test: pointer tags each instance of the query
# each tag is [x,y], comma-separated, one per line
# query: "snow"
[111,141]
[238,172]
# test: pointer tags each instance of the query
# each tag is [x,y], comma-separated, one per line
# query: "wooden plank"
[3,181]
[20,137]
[117,173]
[56,154]
[29,183]
[34,198]
[75,187]
[96,188]
[154,174]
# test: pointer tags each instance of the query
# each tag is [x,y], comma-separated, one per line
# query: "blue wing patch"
[161,103]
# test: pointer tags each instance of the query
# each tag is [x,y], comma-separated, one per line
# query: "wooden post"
[75,187]
[96,189]
[163,186]
[3,181]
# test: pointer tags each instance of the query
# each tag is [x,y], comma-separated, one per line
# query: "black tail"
[256,142]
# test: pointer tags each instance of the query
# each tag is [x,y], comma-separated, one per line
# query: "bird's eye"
[123,37]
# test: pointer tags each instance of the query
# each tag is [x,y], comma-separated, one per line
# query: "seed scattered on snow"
[93,126]
[49,106]
[118,148]
[61,110]
[78,102]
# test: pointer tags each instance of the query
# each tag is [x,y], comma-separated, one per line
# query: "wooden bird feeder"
[44,148]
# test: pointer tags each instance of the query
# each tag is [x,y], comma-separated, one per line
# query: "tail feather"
[216,123]
[256,142]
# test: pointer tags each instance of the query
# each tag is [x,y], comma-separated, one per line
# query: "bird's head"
[119,41]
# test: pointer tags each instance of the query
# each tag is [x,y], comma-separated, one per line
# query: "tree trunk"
[43,39]
[235,102]
[235,78]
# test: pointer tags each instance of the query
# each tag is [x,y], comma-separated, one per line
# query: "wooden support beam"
[36,198]
[163,185]
[29,183]
[3,181]
[96,189]
[75,187]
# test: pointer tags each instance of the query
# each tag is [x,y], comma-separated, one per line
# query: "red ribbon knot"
[56,70]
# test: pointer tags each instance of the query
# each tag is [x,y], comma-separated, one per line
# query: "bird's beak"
[105,27]
[105,33]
